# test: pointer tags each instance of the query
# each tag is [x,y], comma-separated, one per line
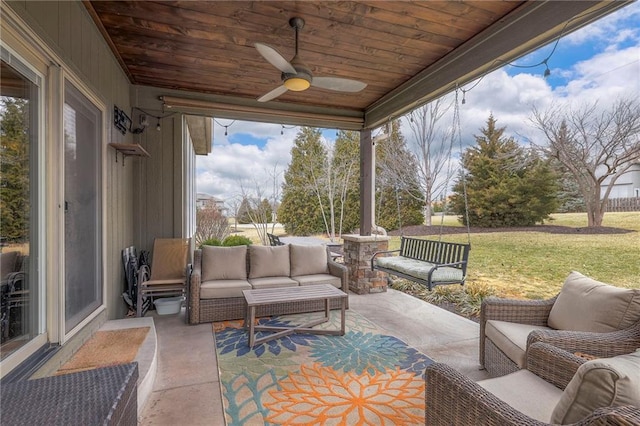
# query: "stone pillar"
[358,250]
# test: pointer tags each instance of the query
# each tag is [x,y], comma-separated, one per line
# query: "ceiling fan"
[296,76]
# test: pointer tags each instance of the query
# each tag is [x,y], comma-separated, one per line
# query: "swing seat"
[425,262]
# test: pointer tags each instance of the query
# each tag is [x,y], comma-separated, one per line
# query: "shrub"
[211,242]
[236,240]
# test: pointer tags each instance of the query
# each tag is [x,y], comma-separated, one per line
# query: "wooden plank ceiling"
[208,47]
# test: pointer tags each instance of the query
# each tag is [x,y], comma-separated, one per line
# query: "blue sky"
[599,62]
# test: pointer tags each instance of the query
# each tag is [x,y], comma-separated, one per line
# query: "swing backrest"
[436,252]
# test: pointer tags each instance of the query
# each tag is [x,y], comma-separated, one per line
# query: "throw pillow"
[224,263]
[308,260]
[266,261]
[585,304]
[605,382]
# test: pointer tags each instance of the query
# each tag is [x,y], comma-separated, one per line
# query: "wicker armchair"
[531,319]
[453,399]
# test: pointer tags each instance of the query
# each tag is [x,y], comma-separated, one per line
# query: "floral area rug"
[362,378]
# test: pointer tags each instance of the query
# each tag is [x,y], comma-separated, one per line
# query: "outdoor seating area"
[458,390]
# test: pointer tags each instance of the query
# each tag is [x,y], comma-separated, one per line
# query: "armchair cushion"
[585,304]
[511,338]
[224,263]
[269,261]
[525,392]
[600,383]
[308,260]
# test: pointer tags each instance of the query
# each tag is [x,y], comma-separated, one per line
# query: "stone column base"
[358,251]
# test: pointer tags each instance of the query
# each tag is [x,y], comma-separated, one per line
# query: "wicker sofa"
[557,387]
[586,316]
[221,273]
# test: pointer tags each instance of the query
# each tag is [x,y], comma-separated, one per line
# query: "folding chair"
[169,272]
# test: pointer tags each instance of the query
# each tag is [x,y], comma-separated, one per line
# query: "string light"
[226,126]
[157,117]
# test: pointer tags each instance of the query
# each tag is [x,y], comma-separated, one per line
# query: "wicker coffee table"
[269,296]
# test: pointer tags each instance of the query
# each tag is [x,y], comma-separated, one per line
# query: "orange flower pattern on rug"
[362,378]
[319,395]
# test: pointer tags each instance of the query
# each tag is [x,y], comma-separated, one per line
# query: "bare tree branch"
[594,145]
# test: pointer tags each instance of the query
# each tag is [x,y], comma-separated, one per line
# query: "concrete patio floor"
[187,390]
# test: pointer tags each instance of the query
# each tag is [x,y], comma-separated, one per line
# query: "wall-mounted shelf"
[129,150]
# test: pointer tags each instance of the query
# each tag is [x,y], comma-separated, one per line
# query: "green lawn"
[533,265]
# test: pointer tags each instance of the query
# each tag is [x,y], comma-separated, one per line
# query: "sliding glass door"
[82,207]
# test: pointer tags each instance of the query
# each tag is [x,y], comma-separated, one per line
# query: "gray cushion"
[308,260]
[272,282]
[585,304]
[224,263]
[525,392]
[219,289]
[266,261]
[511,338]
[420,269]
[600,383]
[8,263]
[319,279]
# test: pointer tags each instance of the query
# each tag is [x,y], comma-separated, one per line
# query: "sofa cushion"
[267,261]
[272,282]
[319,279]
[525,392]
[511,338]
[585,304]
[219,289]
[308,260]
[600,383]
[224,263]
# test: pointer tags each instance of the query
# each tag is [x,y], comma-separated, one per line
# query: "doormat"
[364,377]
[106,348]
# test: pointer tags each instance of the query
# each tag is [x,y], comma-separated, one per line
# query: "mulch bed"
[418,230]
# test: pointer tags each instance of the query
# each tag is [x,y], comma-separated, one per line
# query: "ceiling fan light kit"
[296,76]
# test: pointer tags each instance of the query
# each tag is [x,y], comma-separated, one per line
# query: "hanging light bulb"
[225,130]
[158,128]
[464,97]
[547,71]
[282,130]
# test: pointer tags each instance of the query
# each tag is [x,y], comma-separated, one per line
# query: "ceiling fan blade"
[280,90]
[275,58]
[339,84]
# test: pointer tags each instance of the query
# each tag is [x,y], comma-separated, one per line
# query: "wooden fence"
[631,204]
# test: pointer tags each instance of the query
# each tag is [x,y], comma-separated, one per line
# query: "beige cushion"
[266,261]
[511,338]
[585,304]
[525,392]
[319,279]
[600,383]
[308,260]
[272,282]
[224,263]
[220,289]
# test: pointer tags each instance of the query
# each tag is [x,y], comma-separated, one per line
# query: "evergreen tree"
[399,199]
[299,210]
[14,172]
[506,186]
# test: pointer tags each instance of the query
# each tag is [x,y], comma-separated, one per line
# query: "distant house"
[627,185]
[205,200]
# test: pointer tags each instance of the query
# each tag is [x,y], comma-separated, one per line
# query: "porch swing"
[429,262]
